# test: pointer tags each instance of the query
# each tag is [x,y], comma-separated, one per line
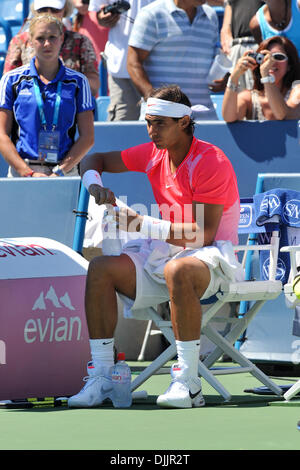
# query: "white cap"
[59,4]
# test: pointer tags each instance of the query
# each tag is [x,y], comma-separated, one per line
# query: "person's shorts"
[151,292]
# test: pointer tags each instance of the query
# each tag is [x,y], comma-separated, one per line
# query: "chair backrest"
[266,181]
[14,11]
[289,183]
[103,91]
[266,235]
[2,60]
[217,100]
[275,210]
[220,14]
[6,35]
[102,103]
[39,207]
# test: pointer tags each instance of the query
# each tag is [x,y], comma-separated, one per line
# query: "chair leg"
[160,316]
[216,384]
[164,357]
[145,341]
[292,391]
[242,360]
[235,332]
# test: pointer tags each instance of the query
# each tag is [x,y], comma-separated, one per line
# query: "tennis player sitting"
[182,257]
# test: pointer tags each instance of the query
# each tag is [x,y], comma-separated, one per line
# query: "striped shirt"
[180,52]
[17,95]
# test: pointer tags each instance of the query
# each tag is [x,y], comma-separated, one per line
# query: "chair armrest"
[252,247]
[292,249]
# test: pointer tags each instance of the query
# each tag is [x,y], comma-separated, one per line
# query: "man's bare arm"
[138,75]
[110,162]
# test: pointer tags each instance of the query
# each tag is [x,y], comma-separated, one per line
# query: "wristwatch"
[58,171]
[231,85]
[268,79]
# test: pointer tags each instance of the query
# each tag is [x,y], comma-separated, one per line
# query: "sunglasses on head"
[279,56]
[46,9]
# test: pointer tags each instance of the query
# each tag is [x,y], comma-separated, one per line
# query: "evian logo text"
[50,321]
[11,249]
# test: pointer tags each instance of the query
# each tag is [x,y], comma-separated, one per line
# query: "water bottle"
[111,243]
[121,380]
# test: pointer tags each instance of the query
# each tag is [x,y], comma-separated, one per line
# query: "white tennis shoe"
[183,392]
[98,387]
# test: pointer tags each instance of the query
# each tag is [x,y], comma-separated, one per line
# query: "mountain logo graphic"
[51,296]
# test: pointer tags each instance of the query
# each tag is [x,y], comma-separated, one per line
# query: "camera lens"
[259,58]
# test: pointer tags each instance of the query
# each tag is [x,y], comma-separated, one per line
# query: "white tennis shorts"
[150,258]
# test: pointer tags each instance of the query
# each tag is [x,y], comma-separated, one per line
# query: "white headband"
[158,107]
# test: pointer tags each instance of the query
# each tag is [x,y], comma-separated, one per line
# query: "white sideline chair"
[292,302]
[273,335]
[256,292]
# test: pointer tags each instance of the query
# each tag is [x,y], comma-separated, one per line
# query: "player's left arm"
[202,232]
[196,234]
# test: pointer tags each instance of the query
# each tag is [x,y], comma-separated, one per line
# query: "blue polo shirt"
[17,94]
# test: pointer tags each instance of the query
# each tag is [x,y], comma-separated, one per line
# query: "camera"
[259,58]
[117,7]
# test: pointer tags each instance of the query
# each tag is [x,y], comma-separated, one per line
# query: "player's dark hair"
[175,94]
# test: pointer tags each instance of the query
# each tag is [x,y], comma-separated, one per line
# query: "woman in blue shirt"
[277,18]
[42,105]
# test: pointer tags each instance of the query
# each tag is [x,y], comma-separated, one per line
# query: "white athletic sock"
[102,351]
[188,355]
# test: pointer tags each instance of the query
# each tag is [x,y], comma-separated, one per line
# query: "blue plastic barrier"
[253,147]
[39,207]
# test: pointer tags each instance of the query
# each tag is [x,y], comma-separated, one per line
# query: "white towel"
[219,255]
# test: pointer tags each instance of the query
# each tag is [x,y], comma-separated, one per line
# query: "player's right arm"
[110,162]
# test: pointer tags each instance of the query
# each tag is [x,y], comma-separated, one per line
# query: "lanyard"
[41,104]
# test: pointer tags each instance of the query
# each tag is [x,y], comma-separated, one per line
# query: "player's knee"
[177,274]
[98,268]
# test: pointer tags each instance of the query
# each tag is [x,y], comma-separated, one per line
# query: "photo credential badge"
[49,145]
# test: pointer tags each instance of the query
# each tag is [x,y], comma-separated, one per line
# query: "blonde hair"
[45,18]
[68,9]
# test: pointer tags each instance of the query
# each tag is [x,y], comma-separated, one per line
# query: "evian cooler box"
[43,333]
